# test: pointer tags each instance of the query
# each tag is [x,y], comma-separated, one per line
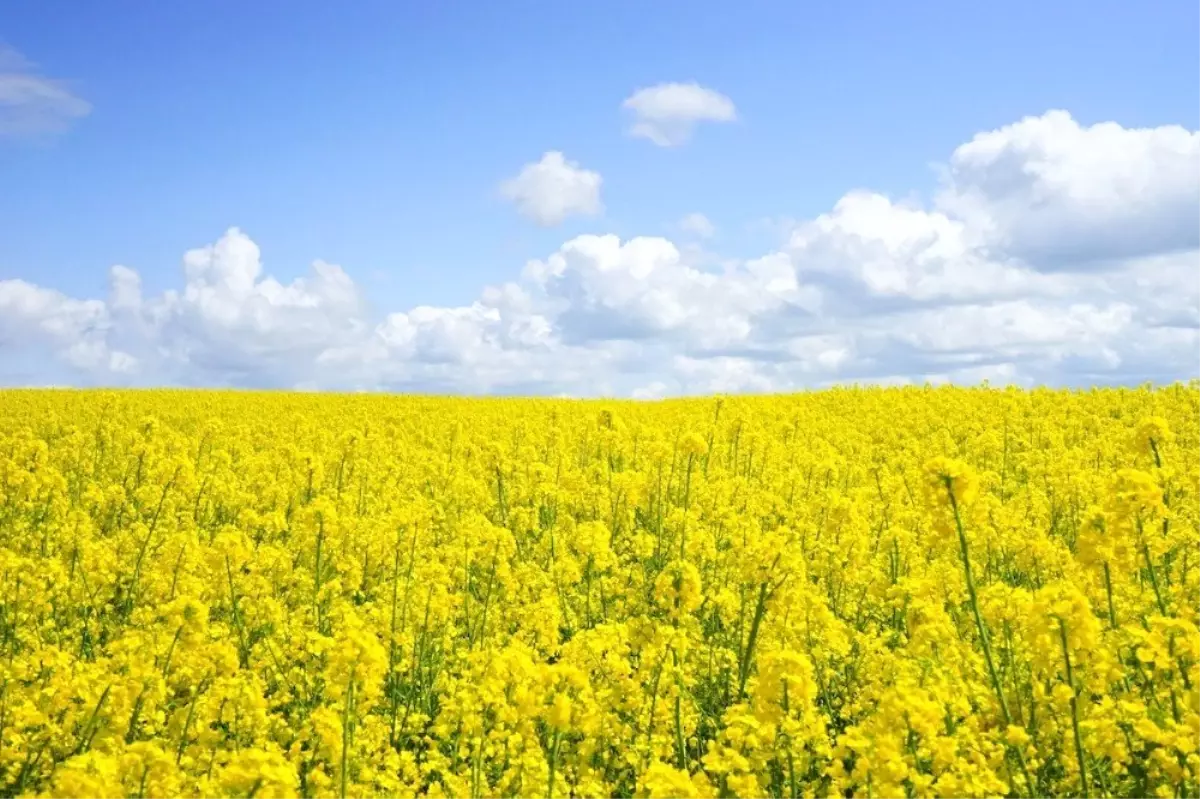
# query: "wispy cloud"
[699,225]
[32,104]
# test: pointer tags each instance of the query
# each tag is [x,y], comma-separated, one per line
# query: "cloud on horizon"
[1053,253]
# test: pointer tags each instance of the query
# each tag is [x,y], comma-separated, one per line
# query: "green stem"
[1083,782]
[347,735]
[1112,614]
[317,570]
[1158,597]
[983,636]
[681,750]
[553,765]
[744,666]
[687,501]
[790,760]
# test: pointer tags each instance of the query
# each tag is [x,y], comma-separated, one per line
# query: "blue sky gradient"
[374,135]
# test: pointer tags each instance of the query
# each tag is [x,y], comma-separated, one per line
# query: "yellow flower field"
[867,592]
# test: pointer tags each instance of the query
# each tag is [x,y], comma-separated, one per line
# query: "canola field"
[855,592]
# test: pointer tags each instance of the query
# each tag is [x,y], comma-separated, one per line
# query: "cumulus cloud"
[667,113]
[970,286]
[77,330]
[1062,196]
[32,104]
[601,288]
[870,251]
[552,189]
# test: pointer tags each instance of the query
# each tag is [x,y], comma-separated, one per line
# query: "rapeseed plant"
[904,592]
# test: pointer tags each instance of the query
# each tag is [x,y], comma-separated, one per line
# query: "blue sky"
[375,135]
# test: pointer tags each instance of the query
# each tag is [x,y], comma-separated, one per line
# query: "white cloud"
[698,225]
[125,288]
[1061,196]
[644,288]
[873,291]
[31,103]
[666,113]
[554,188]
[652,391]
[1014,326]
[75,329]
[871,248]
[722,375]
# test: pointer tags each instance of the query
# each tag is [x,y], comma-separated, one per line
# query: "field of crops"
[886,593]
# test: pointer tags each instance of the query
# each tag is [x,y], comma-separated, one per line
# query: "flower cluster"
[903,592]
